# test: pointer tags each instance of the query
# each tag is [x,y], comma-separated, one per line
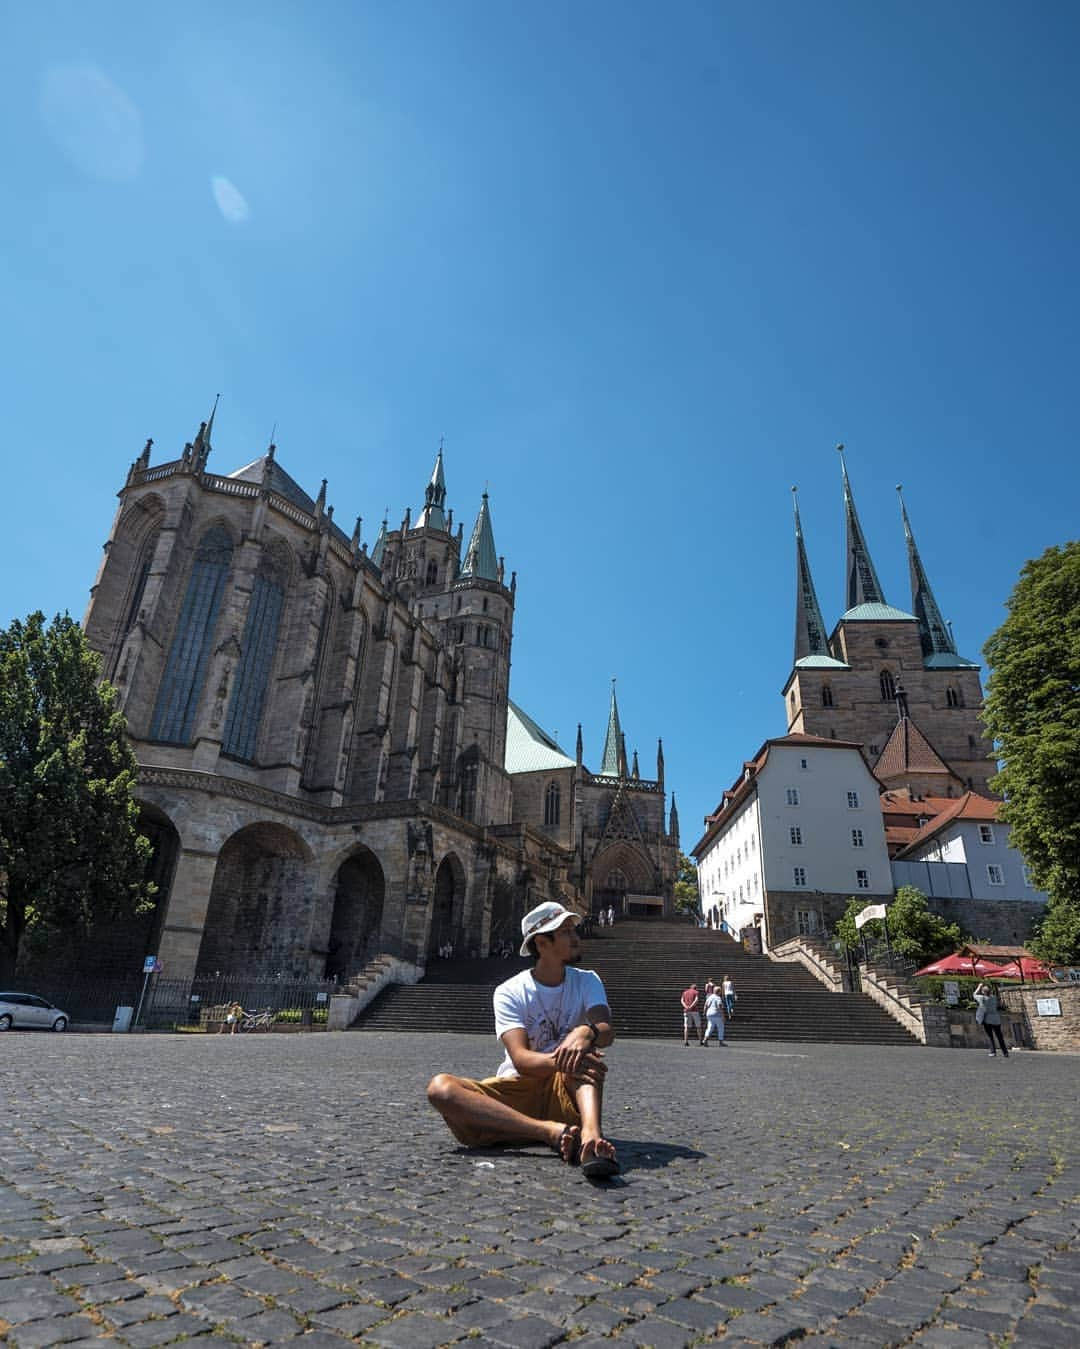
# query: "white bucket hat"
[544,918]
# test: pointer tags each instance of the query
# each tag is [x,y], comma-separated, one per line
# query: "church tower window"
[826,695]
[256,660]
[468,777]
[552,803]
[432,577]
[952,697]
[181,684]
[888,686]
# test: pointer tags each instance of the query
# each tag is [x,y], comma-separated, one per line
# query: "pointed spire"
[622,755]
[660,762]
[480,559]
[674,828]
[320,500]
[355,540]
[432,515]
[934,632]
[809,625]
[609,764]
[863,586]
[202,444]
[380,545]
[635,772]
[143,460]
[580,747]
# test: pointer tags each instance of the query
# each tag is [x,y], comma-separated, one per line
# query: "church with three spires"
[882,778]
[330,764]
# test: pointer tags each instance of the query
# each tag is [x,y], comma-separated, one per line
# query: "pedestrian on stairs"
[714,1016]
[611,915]
[729,997]
[554,1022]
[691,1016]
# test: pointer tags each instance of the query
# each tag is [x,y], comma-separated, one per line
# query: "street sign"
[952,992]
[1048,1006]
[871,911]
[150,965]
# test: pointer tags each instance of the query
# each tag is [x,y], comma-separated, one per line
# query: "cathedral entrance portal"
[358,906]
[447,907]
[257,923]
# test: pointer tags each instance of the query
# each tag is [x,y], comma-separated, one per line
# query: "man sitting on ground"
[553,1021]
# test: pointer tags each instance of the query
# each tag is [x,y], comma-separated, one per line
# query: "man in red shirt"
[691,1016]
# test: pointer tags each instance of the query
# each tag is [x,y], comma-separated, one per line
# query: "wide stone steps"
[645,966]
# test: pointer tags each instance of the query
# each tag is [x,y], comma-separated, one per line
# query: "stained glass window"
[256,661]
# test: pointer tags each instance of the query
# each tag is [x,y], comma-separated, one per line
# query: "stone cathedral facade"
[330,765]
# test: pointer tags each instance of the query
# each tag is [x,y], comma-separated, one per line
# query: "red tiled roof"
[970,806]
[909,751]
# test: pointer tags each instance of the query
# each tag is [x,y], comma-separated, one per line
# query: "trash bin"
[122,1019]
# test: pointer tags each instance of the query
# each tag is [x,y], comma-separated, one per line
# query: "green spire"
[863,586]
[432,514]
[809,625]
[935,636]
[609,765]
[480,560]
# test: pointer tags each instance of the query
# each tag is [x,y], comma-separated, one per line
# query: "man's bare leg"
[473,1111]
[588,1097]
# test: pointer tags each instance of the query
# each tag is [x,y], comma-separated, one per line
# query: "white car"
[26,1009]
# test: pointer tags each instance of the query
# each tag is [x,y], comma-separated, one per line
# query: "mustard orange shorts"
[538,1097]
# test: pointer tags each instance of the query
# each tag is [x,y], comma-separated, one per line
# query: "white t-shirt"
[547,1015]
[714,1005]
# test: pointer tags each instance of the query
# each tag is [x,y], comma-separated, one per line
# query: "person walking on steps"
[989,1016]
[691,1016]
[714,1016]
[554,1023]
[729,997]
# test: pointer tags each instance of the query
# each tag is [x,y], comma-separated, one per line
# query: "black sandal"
[600,1168]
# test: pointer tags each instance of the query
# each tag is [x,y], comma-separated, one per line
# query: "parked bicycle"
[257,1020]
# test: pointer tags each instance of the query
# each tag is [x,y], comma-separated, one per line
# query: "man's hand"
[577,1058]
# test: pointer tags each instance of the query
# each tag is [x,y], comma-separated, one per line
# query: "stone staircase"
[645,965]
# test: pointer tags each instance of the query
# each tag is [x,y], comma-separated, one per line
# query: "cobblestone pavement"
[259,1189]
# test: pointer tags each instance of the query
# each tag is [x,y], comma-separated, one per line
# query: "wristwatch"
[594,1032]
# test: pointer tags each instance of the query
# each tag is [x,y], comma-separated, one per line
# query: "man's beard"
[575,959]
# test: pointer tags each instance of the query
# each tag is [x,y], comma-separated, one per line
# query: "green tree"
[70,850]
[686,886]
[914,931]
[1033,713]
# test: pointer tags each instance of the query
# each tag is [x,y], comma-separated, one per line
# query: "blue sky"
[643,265]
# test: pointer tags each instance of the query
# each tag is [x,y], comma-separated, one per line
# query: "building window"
[804,764]
[432,576]
[888,686]
[826,695]
[792,796]
[468,777]
[799,874]
[862,880]
[986,833]
[551,804]
[791,701]
[875,749]
[1027,877]
[856,838]
[971,744]
[853,800]
[256,660]
[181,684]
[616,880]
[796,836]
[994,874]
[807,922]
[952,697]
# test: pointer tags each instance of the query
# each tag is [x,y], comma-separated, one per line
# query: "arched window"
[826,695]
[888,686]
[181,684]
[256,659]
[616,880]
[952,698]
[432,577]
[551,804]
[146,557]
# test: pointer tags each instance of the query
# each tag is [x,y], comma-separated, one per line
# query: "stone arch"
[448,907]
[629,869]
[257,922]
[356,921]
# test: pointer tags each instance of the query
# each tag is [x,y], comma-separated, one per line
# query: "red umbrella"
[1025,967]
[959,964]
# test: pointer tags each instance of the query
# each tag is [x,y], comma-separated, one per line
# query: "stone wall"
[1006,922]
[1047,1032]
[816,957]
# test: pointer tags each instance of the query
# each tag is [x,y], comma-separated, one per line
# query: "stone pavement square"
[242,1190]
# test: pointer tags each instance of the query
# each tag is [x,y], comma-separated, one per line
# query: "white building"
[795,837]
[965,851]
